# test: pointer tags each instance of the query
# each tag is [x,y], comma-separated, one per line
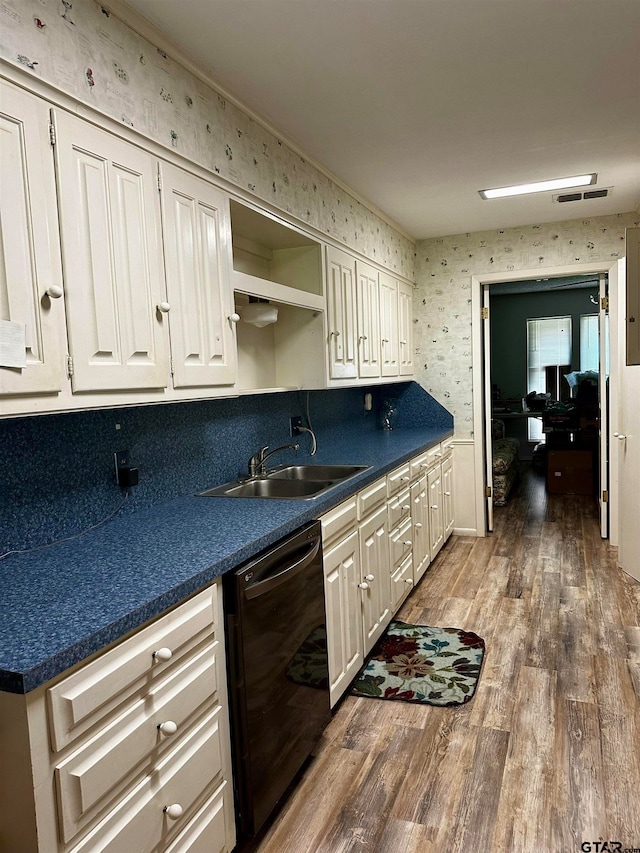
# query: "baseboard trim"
[465,531]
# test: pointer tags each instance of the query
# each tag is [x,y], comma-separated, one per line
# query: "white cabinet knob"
[619,436]
[163,307]
[369,577]
[363,585]
[174,811]
[168,727]
[163,654]
[405,479]
[434,506]
[54,292]
[424,465]
[408,580]
[235,317]
[407,542]
[406,506]
[417,525]
[448,494]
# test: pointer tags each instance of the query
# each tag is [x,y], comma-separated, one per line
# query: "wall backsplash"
[442,300]
[58,475]
[87,52]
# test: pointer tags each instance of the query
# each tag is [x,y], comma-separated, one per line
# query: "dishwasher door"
[278,670]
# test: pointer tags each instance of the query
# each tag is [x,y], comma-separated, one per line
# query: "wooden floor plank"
[546,755]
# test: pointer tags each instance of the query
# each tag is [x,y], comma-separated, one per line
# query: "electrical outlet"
[126,476]
[294,425]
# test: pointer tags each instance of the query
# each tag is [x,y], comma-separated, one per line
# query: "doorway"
[481,289]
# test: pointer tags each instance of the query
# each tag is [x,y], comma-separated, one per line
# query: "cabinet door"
[197,249]
[420,519]
[447,496]
[374,571]
[436,515]
[111,251]
[405,329]
[29,248]
[341,306]
[368,307]
[389,325]
[344,614]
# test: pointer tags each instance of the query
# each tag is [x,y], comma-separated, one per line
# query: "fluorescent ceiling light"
[541,186]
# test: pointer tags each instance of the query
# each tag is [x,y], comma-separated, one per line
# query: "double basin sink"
[291,481]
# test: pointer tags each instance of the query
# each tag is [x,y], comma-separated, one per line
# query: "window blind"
[548,345]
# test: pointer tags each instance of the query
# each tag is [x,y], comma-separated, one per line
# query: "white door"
[368,306]
[436,514]
[389,324]
[375,585]
[112,258]
[488,440]
[30,270]
[196,230]
[628,437]
[341,299]
[603,392]
[344,614]
[420,524]
[405,329]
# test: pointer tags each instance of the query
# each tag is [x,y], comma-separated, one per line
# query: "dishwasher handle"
[274,581]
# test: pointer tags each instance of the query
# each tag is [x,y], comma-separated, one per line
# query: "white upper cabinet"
[389,324]
[30,273]
[111,248]
[341,315]
[405,329]
[197,249]
[368,307]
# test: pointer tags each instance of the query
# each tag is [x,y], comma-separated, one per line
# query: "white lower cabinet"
[130,752]
[377,545]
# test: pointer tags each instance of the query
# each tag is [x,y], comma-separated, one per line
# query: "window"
[589,342]
[548,354]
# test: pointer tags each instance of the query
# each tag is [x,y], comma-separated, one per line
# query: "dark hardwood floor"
[547,754]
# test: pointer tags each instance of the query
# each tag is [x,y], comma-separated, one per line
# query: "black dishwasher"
[278,670]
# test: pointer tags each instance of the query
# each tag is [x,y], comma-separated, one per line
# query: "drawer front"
[94,774]
[208,831]
[418,465]
[339,523]
[139,822]
[397,479]
[371,497]
[399,508]
[78,701]
[401,542]
[434,455]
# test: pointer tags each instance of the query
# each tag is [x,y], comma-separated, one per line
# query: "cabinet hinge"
[52,134]
[69,366]
[485,313]
[171,366]
[159,180]
[605,497]
[488,491]
[604,303]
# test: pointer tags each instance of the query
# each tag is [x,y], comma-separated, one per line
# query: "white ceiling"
[418,104]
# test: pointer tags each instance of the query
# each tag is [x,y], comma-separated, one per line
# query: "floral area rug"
[415,663]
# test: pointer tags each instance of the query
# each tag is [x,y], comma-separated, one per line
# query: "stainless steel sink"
[290,482]
[316,472]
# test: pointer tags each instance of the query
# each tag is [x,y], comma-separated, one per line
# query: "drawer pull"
[168,727]
[369,577]
[406,507]
[407,542]
[448,494]
[163,654]
[174,811]
[405,479]
[408,580]
[434,506]
[418,525]
[363,585]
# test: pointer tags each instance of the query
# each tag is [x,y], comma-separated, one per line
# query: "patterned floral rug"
[415,663]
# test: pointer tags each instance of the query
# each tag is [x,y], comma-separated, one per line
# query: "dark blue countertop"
[63,603]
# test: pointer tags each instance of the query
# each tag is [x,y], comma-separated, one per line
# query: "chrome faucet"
[256,463]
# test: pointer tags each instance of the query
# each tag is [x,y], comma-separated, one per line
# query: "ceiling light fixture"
[541,186]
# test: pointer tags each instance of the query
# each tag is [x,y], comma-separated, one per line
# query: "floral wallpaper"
[83,49]
[442,299]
